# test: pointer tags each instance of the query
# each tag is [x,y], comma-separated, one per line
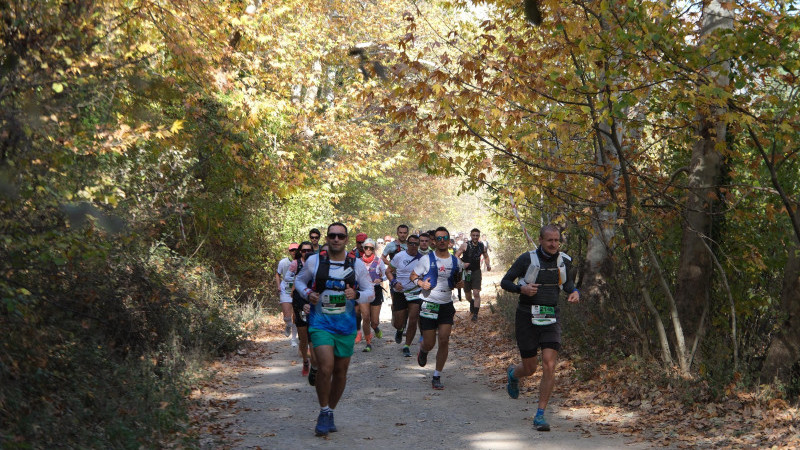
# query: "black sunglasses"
[369,248]
[413,243]
[340,236]
[314,237]
[306,250]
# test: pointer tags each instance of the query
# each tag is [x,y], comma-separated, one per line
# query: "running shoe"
[378,333]
[422,358]
[287,330]
[332,426]
[358,337]
[312,376]
[475,317]
[398,336]
[540,423]
[294,342]
[407,352]
[436,383]
[306,365]
[368,348]
[323,424]
[513,384]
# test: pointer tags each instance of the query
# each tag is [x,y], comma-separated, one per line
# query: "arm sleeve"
[517,270]
[366,291]
[304,279]
[569,285]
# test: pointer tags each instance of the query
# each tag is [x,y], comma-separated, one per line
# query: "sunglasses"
[314,237]
[292,249]
[369,248]
[413,243]
[306,250]
[359,242]
[340,236]
[442,238]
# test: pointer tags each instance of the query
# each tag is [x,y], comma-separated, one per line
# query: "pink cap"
[293,246]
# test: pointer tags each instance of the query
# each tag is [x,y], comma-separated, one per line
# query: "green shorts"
[342,343]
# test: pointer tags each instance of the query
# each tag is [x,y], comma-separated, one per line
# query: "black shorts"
[378,296]
[298,320]
[447,312]
[474,282]
[531,337]
[399,302]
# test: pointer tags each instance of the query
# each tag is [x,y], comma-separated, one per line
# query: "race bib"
[467,275]
[289,285]
[333,302]
[543,315]
[429,310]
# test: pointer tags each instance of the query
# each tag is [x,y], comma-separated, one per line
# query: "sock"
[287,320]
[294,331]
[405,346]
[437,374]
[540,412]
[325,409]
[477,310]
[375,329]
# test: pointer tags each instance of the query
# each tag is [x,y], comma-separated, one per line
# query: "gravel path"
[262,401]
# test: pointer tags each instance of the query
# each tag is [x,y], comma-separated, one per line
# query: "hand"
[488,268]
[350,293]
[530,289]
[459,285]
[378,281]
[397,286]
[466,265]
[313,297]
[425,284]
[574,297]
[307,308]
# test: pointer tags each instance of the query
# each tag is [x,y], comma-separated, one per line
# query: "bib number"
[289,285]
[333,303]
[543,315]
[467,275]
[429,310]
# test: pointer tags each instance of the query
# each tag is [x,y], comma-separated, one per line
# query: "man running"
[284,286]
[542,273]
[309,361]
[437,274]
[313,236]
[425,242]
[333,284]
[398,298]
[471,253]
[407,310]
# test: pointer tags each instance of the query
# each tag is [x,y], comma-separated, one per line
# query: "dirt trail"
[262,401]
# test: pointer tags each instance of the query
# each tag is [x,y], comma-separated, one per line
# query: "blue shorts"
[342,343]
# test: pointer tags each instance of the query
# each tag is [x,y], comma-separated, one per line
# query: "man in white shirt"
[437,275]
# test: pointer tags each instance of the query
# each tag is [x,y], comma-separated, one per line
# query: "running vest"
[433,271]
[472,255]
[322,280]
[372,268]
[533,270]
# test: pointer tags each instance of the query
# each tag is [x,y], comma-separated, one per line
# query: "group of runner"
[335,296]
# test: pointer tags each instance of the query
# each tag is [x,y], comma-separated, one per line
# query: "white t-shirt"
[404,264]
[441,292]
[283,267]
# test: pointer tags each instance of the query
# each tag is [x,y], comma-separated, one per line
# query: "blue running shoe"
[513,384]
[323,424]
[331,425]
[540,423]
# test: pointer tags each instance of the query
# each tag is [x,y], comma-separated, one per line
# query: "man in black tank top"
[542,275]
[470,253]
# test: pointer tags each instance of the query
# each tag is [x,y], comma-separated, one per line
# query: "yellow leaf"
[176,126]
[58,87]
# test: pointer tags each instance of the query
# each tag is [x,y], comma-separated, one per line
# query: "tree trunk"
[695,270]
[784,350]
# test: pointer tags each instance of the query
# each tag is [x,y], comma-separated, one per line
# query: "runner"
[333,284]
[356,253]
[471,253]
[309,360]
[399,313]
[542,274]
[425,242]
[437,275]
[313,236]
[485,261]
[284,285]
[407,310]
[372,311]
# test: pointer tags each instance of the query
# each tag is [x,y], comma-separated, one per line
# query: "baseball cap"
[369,242]
[293,246]
[360,237]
